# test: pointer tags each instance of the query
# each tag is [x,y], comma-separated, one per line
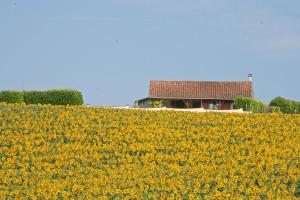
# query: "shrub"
[9,96]
[35,97]
[54,97]
[273,109]
[286,105]
[249,104]
[156,103]
[296,107]
[64,97]
[297,189]
[241,102]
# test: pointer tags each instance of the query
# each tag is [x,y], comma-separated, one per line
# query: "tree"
[286,105]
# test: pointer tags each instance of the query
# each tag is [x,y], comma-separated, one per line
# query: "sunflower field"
[78,152]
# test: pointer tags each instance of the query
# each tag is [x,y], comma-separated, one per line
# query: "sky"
[110,50]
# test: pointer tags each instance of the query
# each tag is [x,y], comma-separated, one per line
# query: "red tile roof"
[226,90]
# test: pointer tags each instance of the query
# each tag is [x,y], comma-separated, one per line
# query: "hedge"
[54,97]
[64,97]
[250,104]
[35,97]
[286,105]
[10,96]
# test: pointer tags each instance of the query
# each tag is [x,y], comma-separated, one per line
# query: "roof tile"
[226,90]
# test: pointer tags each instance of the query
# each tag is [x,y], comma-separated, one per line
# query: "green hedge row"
[254,105]
[54,97]
[286,105]
[10,96]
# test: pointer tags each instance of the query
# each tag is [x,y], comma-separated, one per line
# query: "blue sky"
[110,50]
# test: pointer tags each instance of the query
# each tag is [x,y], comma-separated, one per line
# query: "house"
[216,95]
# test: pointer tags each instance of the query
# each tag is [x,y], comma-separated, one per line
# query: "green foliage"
[156,103]
[249,104]
[9,96]
[65,97]
[273,109]
[35,97]
[297,192]
[54,97]
[286,105]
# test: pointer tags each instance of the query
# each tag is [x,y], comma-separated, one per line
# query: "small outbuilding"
[215,95]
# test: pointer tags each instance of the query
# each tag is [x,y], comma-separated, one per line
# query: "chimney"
[250,77]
